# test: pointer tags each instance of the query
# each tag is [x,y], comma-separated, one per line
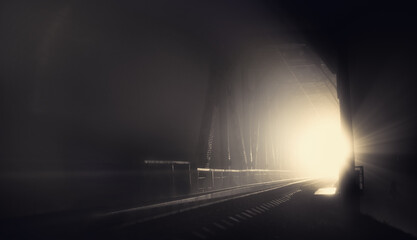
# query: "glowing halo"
[321,149]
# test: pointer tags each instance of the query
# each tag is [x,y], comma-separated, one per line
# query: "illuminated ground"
[315,217]
[290,213]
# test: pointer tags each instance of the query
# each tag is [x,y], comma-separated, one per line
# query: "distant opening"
[321,148]
[307,116]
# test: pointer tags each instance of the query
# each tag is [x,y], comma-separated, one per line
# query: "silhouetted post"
[347,186]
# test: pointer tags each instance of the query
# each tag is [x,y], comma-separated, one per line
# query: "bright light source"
[326,191]
[322,149]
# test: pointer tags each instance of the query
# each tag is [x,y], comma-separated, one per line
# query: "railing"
[173,176]
[212,179]
[177,178]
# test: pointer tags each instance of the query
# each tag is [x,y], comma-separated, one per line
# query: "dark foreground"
[291,212]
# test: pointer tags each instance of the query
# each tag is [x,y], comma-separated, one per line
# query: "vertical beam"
[239,131]
[226,149]
[250,136]
[206,124]
[347,175]
[257,130]
[225,115]
[213,105]
[209,154]
[246,120]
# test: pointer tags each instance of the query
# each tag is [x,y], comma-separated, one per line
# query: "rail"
[211,179]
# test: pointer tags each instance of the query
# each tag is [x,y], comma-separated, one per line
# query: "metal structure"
[247,112]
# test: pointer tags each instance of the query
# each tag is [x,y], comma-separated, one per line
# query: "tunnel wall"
[382,72]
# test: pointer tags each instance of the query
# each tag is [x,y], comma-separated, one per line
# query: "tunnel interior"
[114,105]
[108,107]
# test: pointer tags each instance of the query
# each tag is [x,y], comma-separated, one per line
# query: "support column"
[347,174]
